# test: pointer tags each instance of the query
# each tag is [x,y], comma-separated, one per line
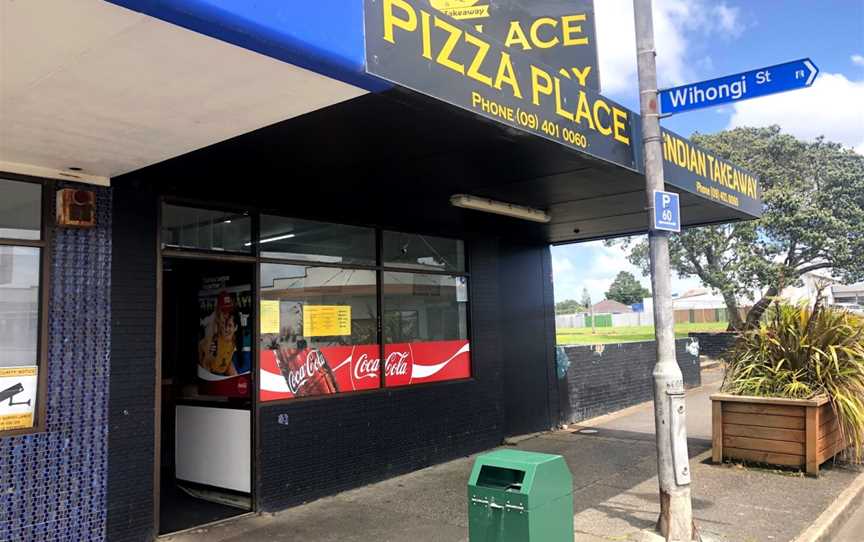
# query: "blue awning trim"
[323,36]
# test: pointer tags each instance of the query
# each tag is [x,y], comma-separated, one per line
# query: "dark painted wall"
[133,365]
[53,483]
[528,338]
[606,378]
[715,345]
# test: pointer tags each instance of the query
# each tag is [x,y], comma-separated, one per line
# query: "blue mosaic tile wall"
[53,484]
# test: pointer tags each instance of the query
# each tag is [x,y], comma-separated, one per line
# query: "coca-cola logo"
[368,367]
[298,377]
[397,364]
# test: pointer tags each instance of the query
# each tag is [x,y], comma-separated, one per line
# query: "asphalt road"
[853,530]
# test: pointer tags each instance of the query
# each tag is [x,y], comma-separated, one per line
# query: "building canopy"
[458,110]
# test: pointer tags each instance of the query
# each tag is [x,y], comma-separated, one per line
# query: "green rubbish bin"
[516,496]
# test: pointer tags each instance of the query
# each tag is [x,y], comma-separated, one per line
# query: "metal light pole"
[673,465]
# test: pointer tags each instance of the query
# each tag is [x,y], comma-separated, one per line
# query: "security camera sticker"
[17,397]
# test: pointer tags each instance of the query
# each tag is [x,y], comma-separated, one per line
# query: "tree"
[626,289]
[813,218]
[568,306]
[586,299]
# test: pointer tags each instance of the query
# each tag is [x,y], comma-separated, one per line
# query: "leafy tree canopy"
[813,218]
[626,289]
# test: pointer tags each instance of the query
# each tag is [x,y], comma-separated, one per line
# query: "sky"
[703,39]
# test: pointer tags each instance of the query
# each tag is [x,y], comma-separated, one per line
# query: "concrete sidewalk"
[615,491]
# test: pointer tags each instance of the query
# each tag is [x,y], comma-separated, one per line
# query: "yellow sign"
[17,397]
[269,316]
[326,320]
[462,9]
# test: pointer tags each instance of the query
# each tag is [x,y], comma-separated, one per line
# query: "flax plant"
[801,352]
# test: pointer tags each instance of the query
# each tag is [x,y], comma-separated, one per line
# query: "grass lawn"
[611,335]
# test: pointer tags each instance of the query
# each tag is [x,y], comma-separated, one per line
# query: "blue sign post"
[741,86]
[667,212]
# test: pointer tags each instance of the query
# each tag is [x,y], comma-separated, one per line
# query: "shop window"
[205,229]
[321,331]
[423,252]
[425,328]
[21,252]
[318,331]
[306,240]
[20,210]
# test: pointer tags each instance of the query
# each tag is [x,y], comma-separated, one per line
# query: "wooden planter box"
[791,432]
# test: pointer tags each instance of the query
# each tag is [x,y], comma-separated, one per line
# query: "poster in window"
[17,397]
[326,320]
[287,373]
[225,339]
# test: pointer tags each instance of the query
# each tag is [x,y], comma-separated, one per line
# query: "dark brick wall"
[327,445]
[133,366]
[606,378]
[528,338]
[714,345]
[53,483]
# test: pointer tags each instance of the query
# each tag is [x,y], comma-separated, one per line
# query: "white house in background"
[696,299]
[852,293]
[809,290]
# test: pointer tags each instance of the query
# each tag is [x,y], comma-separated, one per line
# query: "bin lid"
[540,477]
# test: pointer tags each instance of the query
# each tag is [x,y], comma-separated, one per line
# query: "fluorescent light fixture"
[486,205]
[271,239]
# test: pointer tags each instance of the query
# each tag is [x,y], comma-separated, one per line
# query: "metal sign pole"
[676,514]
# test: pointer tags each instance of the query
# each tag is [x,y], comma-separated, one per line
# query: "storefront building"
[252,254]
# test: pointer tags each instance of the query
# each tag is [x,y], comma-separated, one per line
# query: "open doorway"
[206,390]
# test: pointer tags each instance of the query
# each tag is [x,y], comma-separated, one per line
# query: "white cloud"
[676,23]
[595,266]
[858,60]
[561,264]
[833,107]
[728,19]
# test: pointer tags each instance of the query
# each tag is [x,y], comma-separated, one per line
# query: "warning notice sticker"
[17,397]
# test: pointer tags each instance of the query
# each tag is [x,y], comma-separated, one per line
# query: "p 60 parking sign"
[667,212]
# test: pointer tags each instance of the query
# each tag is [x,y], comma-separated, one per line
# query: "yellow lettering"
[506,74]
[668,148]
[694,162]
[517,35]
[570,30]
[717,176]
[536,75]
[391,22]
[444,56]
[619,125]
[535,33]
[583,110]
[582,75]
[426,33]
[701,156]
[558,109]
[600,104]
[681,154]
[482,51]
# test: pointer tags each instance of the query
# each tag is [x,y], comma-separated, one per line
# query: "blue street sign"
[667,211]
[741,86]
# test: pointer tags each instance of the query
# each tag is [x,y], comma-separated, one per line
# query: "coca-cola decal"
[287,373]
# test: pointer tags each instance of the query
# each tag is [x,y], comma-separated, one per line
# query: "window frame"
[380,269]
[44,244]
[254,256]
